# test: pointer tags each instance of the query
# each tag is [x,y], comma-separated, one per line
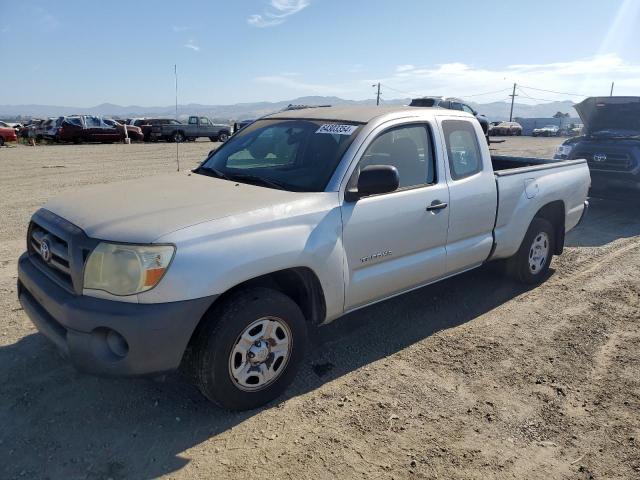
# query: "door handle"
[436,205]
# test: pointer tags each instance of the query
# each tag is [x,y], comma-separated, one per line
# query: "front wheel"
[249,349]
[531,262]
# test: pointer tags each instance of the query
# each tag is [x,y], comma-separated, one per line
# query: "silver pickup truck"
[196,127]
[299,218]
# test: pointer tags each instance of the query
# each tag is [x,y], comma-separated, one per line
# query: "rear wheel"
[1,141]
[223,136]
[531,262]
[177,137]
[249,349]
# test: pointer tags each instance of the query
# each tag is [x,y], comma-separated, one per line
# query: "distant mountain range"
[239,111]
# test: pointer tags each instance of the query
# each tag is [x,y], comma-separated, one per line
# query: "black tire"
[519,267]
[177,137]
[1,141]
[223,137]
[217,337]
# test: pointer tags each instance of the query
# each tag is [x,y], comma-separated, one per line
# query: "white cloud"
[277,12]
[588,76]
[288,82]
[405,68]
[191,44]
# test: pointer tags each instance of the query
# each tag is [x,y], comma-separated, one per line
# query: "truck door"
[204,127]
[396,241]
[472,194]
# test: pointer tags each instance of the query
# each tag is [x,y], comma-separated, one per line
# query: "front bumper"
[106,337]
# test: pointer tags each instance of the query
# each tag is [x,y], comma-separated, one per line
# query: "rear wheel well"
[554,213]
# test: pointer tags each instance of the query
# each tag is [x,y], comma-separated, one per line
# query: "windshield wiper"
[211,172]
[267,182]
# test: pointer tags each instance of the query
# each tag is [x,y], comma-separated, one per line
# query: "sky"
[79,53]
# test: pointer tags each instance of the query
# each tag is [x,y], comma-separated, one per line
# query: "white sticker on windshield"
[337,129]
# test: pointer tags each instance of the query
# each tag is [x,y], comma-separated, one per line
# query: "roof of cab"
[358,114]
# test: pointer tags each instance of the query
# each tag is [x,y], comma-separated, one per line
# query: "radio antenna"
[175,74]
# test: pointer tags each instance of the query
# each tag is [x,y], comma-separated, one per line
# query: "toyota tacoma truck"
[300,218]
[196,127]
[610,142]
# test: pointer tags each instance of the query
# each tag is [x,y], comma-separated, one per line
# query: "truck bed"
[503,164]
[525,185]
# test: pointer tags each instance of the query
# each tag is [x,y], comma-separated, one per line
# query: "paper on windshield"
[337,129]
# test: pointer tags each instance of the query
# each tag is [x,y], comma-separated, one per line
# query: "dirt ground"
[471,378]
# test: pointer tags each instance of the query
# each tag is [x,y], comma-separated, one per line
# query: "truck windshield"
[295,155]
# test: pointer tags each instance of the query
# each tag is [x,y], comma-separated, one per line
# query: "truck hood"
[142,210]
[610,113]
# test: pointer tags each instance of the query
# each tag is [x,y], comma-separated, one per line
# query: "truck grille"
[66,251]
[58,264]
[614,161]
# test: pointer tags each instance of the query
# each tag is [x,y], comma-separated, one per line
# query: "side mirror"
[373,180]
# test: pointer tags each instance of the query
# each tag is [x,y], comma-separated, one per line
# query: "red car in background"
[89,128]
[7,134]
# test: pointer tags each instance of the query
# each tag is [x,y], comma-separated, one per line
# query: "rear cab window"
[463,149]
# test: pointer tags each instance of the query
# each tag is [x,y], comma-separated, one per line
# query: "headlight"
[126,269]
[564,150]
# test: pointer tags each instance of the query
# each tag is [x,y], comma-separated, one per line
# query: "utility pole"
[175,74]
[378,95]
[611,94]
[513,97]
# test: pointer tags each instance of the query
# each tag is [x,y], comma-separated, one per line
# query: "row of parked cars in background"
[514,128]
[92,128]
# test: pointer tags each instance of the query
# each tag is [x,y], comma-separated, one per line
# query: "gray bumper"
[584,212]
[105,337]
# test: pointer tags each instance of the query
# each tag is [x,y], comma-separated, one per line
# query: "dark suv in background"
[452,104]
[610,141]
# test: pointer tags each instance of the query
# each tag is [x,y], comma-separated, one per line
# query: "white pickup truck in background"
[299,218]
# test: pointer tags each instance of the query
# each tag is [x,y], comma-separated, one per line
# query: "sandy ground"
[472,378]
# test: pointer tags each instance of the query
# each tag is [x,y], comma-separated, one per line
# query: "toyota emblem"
[45,251]
[599,157]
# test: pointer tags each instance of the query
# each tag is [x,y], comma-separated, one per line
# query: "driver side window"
[408,148]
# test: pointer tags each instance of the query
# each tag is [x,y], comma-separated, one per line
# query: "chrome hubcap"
[538,252]
[260,354]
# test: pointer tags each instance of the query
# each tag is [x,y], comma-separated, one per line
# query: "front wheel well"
[554,213]
[300,284]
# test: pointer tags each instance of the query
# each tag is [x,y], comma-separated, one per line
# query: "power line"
[524,93]
[486,93]
[413,94]
[553,91]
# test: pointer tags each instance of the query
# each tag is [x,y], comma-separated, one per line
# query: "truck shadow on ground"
[98,428]
[57,423]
